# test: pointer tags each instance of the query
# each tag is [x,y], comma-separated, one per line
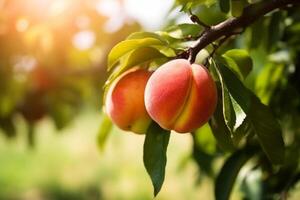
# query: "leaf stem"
[194,18]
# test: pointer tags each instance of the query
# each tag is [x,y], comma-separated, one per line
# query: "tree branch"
[230,26]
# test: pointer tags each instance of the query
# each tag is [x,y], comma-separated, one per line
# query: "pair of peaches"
[178,96]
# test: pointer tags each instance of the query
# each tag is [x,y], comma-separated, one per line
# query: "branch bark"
[230,26]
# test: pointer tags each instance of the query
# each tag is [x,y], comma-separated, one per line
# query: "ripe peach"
[41,79]
[124,102]
[180,96]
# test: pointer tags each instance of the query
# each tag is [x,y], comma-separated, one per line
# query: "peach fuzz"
[124,102]
[180,96]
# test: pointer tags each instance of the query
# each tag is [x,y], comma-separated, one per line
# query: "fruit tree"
[231,72]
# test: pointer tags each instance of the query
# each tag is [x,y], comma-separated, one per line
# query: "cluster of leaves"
[259,98]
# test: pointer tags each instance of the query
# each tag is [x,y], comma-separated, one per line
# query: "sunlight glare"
[24,63]
[84,40]
[59,7]
[22,25]
[114,11]
[83,21]
[151,14]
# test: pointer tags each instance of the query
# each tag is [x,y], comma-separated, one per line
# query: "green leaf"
[239,61]
[188,4]
[220,130]
[252,185]
[227,176]
[8,126]
[237,7]
[235,98]
[142,55]
[268,80]
[62,114]
[181,31]
[239,94]
[165,50]
[292,31]
[242,132]
[156,63]
[155,158]
[224,5]
[7,103]
[267,130]
[203,159]
[205,139]
[275,29]
[143,35]
[104,130]
[136,57]
[242,104]
[257,34]
[31,133]
[124,47]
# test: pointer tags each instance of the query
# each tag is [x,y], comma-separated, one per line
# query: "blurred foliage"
[52,60]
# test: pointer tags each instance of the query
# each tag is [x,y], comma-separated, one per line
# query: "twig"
[215,48]
[190,37]
[229,27]
[195,19]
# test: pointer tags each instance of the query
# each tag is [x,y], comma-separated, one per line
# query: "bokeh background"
[52,69]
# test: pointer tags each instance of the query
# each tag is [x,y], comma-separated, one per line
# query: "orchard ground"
[68,165]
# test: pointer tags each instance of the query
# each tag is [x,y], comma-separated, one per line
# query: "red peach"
[124,102]
[180,96]
[42,79]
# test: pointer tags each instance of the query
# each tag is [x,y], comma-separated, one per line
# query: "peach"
[41,79]
[180,96]
[124,102]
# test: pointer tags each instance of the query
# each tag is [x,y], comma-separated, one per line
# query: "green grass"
[68,165]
